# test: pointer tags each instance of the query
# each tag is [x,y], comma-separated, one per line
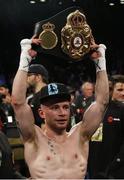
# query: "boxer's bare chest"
[51,155]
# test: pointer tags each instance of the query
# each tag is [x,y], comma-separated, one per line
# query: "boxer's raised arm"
[93,115]
[23,112]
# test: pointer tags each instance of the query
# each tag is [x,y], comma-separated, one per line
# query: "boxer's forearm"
[19,87]
[20,80]
[102,87]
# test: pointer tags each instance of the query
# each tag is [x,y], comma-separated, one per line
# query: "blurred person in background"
[4,90]
[7,170]
[7,164]
[84,100]
[73,113]
[37,78]
[118,90]
[106,152]
[6,106]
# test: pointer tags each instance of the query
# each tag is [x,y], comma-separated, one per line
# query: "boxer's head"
[55,106]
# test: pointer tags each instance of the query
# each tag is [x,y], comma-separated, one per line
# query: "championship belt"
[65,35]
[76,35]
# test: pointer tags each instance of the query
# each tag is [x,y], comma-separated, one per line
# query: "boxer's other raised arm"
[23,112]
[94,114]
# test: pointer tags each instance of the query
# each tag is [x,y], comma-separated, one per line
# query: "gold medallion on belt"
[48,37]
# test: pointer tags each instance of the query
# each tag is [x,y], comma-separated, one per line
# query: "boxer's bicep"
[25,121]
[91,120]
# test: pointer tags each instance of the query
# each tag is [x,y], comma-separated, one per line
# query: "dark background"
[17,21]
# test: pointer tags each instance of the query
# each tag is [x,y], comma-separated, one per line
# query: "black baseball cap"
[38,69]
[57,91]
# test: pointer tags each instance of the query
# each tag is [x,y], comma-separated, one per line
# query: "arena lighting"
[37,1]
[32,2]
[111,4]
[121,1]
[114,2]
[60,3]
[43,1]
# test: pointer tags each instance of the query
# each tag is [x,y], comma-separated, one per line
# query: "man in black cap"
[52,153]
[37,78]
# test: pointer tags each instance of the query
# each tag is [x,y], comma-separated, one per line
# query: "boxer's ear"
[41,113]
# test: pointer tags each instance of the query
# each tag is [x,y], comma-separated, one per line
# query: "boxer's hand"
[32,53]
[98,56]
[36,41]
[94,54]
[26,54]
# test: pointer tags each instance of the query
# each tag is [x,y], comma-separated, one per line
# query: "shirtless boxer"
[53,153]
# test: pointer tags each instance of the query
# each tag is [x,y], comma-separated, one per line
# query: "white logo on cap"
[52,89]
